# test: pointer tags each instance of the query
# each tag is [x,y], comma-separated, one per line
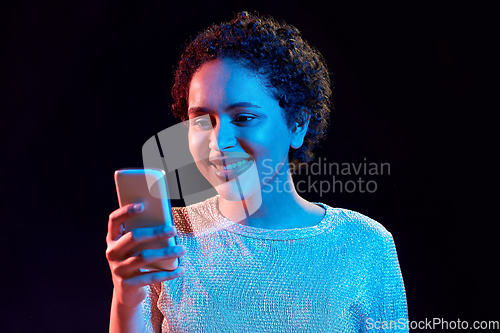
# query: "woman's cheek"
[198,146]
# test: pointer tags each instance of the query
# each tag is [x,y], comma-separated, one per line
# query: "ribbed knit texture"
[336,276]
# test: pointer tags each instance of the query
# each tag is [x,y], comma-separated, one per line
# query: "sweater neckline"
[271,234]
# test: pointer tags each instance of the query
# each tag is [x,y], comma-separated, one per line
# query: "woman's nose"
[222,137]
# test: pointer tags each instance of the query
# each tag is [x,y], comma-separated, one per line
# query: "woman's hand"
[128,280]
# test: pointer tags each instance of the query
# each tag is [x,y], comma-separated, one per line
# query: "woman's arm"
[129,282]
[395,306]
[388,305]
[124,318]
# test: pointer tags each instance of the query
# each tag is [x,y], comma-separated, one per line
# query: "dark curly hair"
[295,72]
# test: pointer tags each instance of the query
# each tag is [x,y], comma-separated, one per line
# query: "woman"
[257,257]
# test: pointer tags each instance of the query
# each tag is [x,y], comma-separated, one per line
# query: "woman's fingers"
[147,278]
[125,266]
[123,246]
[119,216]
[129,266]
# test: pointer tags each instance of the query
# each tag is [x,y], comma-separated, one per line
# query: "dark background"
[84,84]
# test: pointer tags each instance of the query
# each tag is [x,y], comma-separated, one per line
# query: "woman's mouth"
[229,171]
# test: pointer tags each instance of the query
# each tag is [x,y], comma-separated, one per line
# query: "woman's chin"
[246,188]
[238,205]
[232,191]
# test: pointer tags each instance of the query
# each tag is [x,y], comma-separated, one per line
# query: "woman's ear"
[300,129]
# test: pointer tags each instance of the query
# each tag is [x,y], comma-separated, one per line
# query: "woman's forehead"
[221,82]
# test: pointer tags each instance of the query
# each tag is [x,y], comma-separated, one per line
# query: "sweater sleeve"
[395,307]
[152,315]
[391,313]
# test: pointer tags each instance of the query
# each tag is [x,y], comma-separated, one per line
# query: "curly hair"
[294,71]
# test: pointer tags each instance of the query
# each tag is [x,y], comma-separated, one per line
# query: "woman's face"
[237,133]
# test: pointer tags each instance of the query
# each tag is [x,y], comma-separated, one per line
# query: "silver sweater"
[341,275]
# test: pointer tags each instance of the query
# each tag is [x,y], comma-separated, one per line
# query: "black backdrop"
[84,85]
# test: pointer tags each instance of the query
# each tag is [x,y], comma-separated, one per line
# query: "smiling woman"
[257,257]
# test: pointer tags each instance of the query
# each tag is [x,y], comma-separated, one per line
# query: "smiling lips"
[228,171]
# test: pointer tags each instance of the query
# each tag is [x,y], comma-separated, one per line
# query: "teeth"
[236,164]
[231,166]
[220,168]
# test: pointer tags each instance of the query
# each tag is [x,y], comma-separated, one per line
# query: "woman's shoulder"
[356,225]
[196,217]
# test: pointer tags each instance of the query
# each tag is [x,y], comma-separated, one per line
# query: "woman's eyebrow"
[242,105]
[197,109]
[200,109]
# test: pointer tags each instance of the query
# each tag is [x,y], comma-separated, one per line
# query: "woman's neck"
[273,208]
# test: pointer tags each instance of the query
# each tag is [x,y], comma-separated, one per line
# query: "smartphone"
[149,187]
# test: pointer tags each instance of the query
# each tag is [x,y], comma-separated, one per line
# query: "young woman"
[257,257]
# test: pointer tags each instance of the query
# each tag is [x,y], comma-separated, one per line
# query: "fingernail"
[138,207]
[168,230]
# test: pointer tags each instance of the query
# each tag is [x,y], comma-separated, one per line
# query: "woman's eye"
[243,118]
[202,123]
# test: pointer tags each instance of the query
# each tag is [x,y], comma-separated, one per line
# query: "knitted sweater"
[341,275]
